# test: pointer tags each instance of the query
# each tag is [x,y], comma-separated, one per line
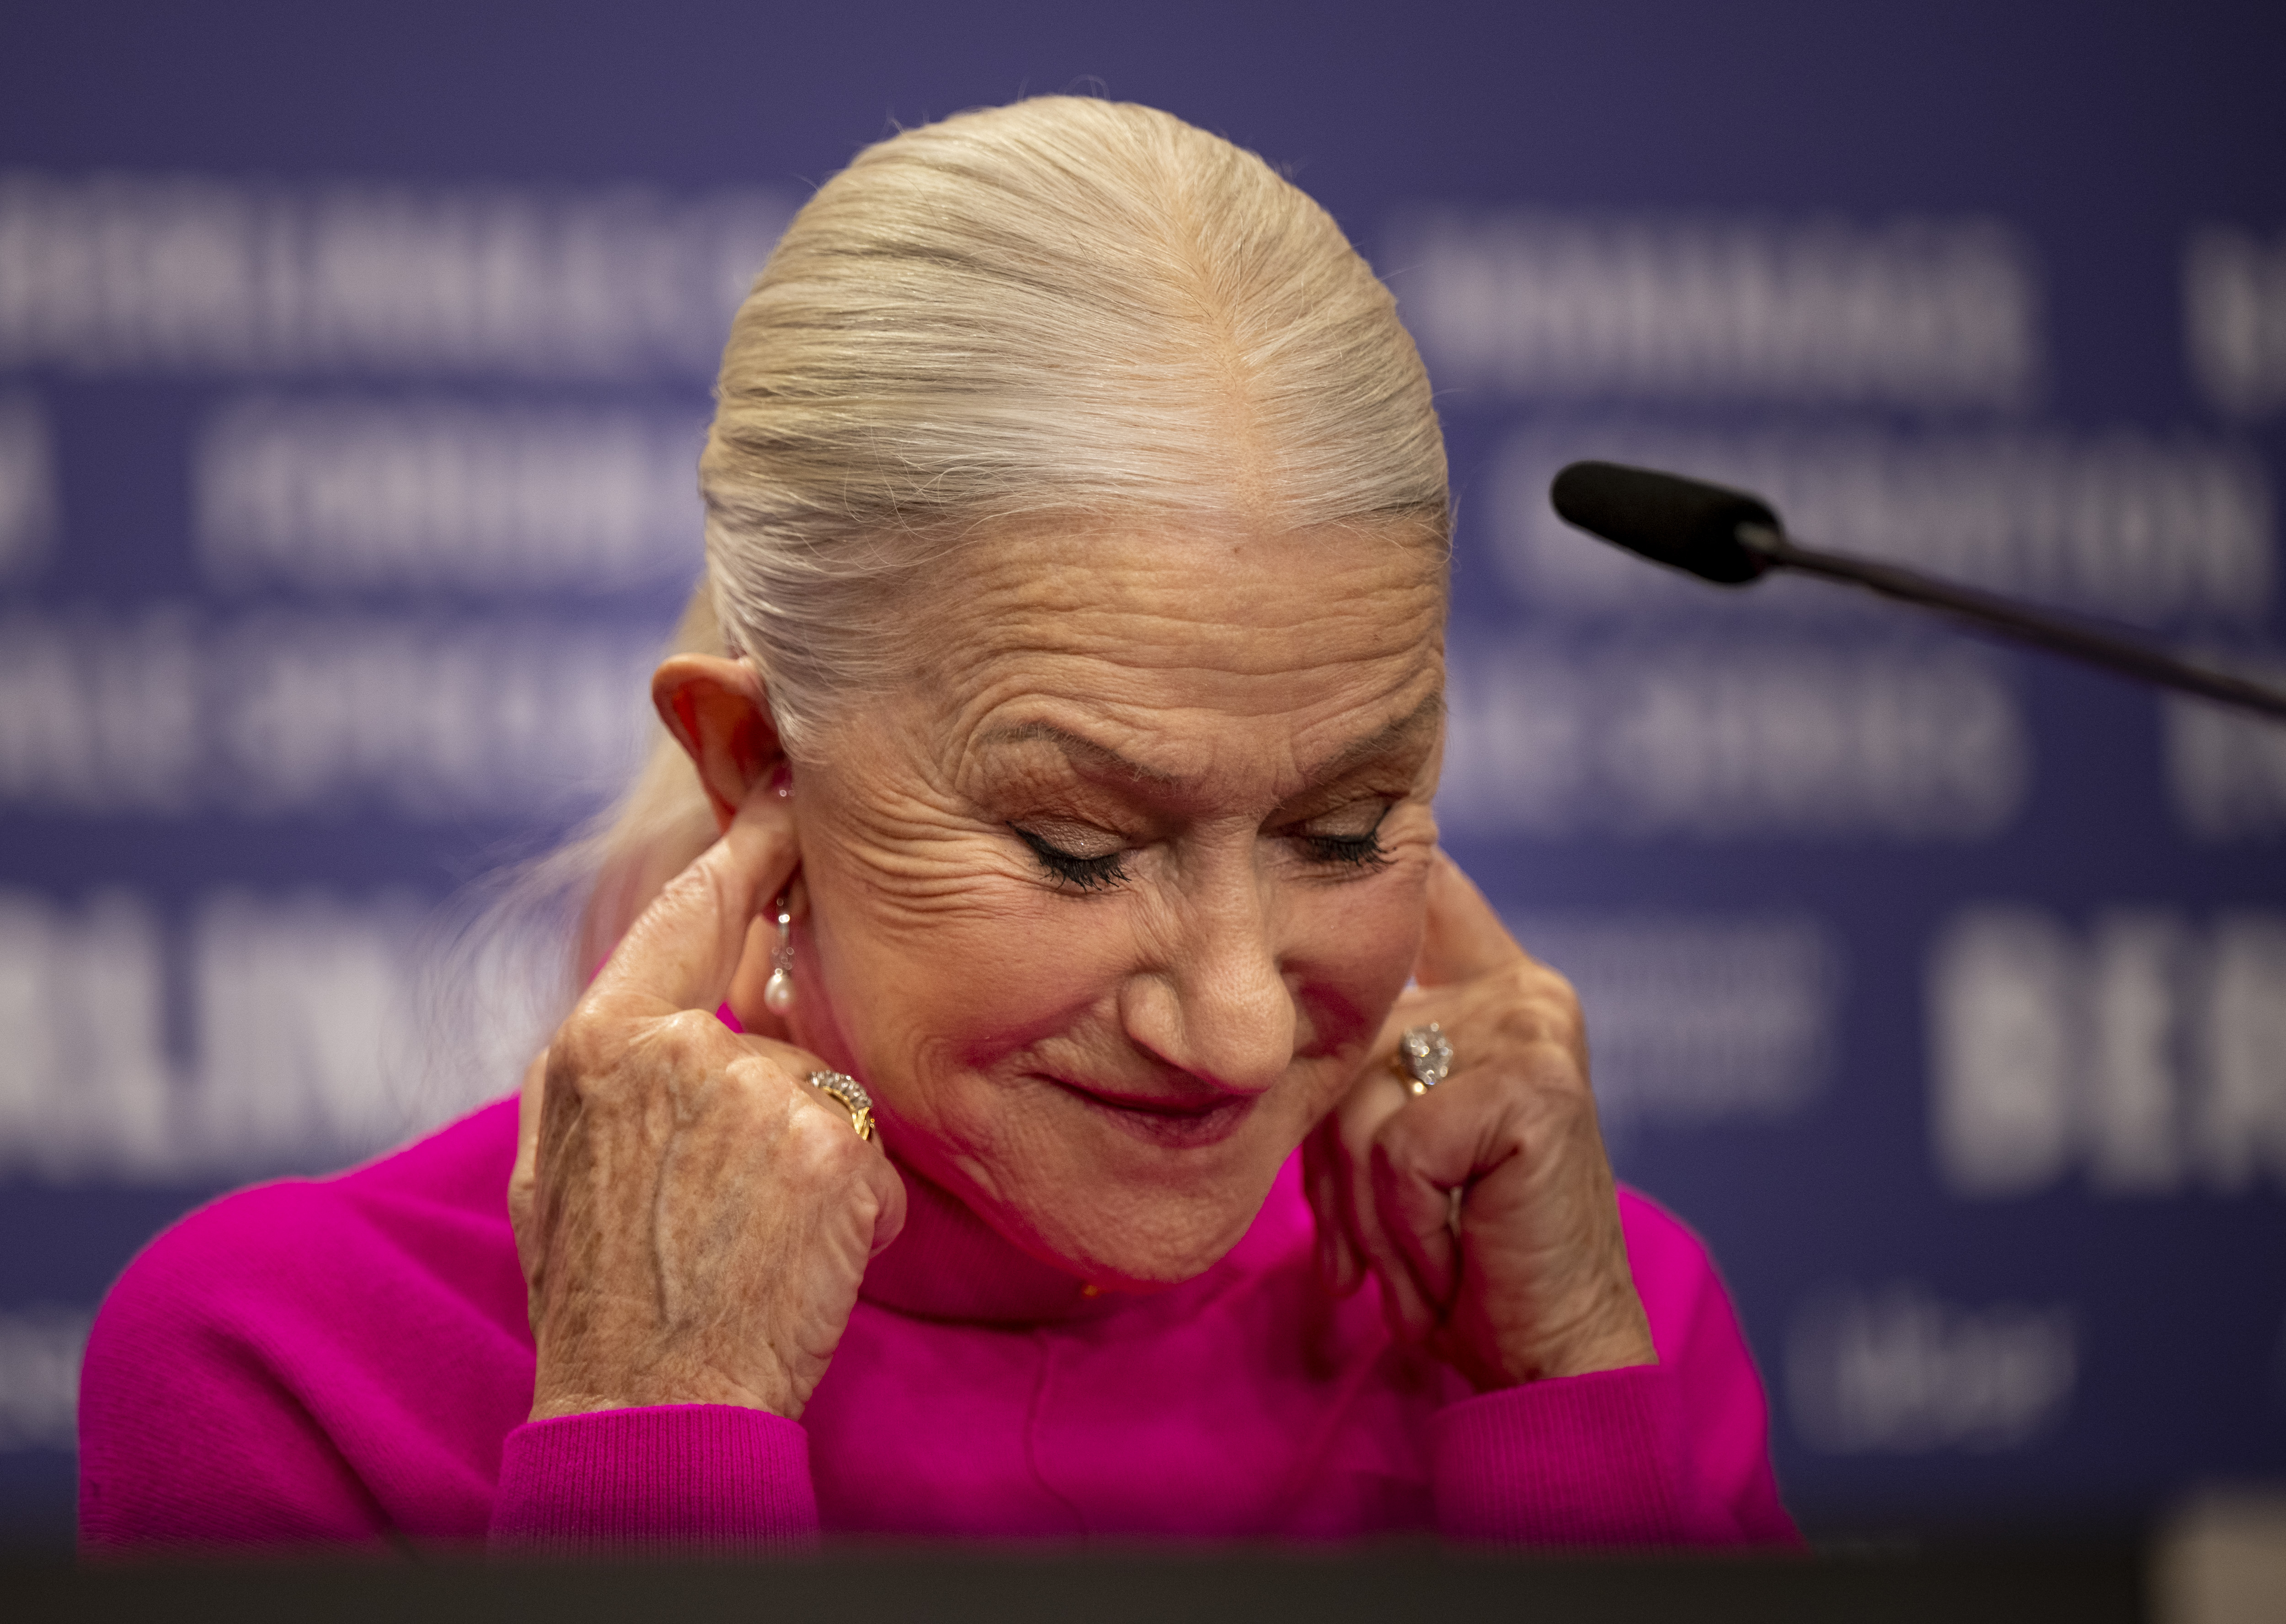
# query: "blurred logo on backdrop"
[438,504]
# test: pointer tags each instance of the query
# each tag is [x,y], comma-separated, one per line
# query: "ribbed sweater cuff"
[708,1478]
[1583,1461]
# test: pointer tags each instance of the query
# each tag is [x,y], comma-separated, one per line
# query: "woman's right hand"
[692,1217]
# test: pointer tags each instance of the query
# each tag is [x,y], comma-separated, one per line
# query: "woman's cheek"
[1360,949]
[1388,910]
[960,961]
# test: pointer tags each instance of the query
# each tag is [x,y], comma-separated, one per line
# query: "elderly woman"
[1097,1013]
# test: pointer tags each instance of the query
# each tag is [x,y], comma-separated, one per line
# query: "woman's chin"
[1128,1237]
[1126,1200]
[1128,1271]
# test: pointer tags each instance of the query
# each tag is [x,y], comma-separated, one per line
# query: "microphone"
[1732,538]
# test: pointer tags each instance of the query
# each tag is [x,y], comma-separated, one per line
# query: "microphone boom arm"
[1984,610]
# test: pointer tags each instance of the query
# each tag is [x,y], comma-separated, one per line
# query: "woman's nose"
[1217,1005]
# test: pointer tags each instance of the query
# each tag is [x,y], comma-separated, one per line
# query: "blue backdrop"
[351,366]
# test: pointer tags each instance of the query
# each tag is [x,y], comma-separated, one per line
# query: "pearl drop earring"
[777,992]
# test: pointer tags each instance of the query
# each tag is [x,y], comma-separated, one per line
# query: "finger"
[889,1188]
[684,949]
[1416,1212]
[1463,937]
[1410,1312]
[881,1175]
[533,1093]
[524,1174]
[1341,1266]
[1423,1155]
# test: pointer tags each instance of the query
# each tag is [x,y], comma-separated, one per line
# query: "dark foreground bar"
[2087,1584]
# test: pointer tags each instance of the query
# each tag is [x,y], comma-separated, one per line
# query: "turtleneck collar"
[948,1264]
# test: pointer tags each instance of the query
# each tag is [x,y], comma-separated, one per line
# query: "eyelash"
[1358,851]
[1087,873]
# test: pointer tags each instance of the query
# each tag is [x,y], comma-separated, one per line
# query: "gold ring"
[849,1094]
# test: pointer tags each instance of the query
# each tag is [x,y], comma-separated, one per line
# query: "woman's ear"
[716,710]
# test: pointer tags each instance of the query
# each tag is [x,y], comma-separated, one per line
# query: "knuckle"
[1563,1099]
[761,1093]
[1537,1005]
[1553,1124]
[584,1046]
[1543,987]
[822,1145]
[1566,1029]
[1548,980]
[687,1035]
[684,1055]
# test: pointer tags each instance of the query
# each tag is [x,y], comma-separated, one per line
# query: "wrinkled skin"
[1110,907]
[667,1167]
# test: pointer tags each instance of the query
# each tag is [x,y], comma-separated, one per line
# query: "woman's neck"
[948,1264]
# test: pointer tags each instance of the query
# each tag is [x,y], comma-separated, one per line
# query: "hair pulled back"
[1063,308]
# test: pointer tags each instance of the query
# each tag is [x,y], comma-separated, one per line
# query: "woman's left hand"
[1485,1207]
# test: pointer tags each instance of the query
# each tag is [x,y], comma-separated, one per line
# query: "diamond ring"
[1424,1058]
[850,1095]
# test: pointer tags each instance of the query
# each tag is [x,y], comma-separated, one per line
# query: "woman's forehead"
[1299,752]
[1165,600]
[1176,649]
[1191,587]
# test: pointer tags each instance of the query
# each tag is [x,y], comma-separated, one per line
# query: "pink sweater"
[347,1361]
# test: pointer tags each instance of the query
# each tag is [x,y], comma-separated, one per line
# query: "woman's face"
[1107,911]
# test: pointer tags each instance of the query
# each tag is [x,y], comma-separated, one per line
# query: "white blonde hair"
[1063,307]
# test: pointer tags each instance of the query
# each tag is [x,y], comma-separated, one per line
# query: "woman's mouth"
[1174,1123]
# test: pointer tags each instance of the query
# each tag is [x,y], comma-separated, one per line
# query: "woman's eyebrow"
[1077,744]
[1382,742]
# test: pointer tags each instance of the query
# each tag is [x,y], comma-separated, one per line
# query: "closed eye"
[1097,873]
[1351,847]
[1352,850]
